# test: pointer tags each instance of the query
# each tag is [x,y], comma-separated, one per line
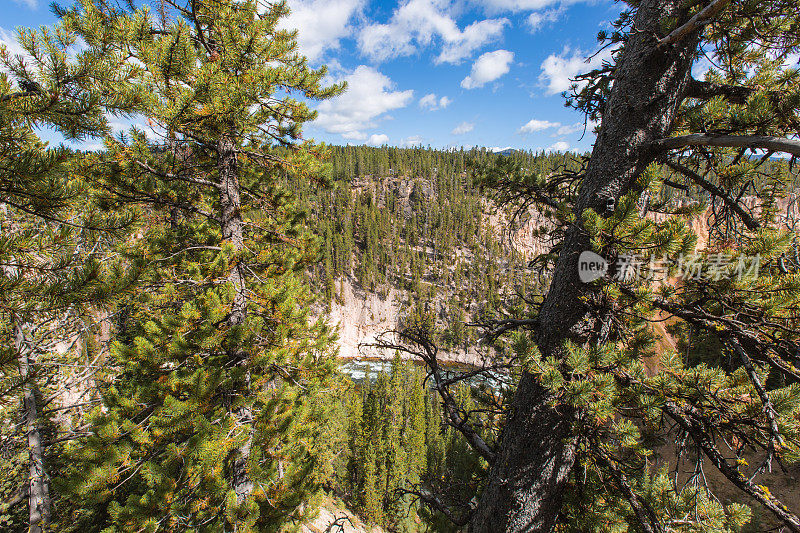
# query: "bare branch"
[427,352]
[716,191]
[495,328]
[433,501]
[776,144]
[696,23]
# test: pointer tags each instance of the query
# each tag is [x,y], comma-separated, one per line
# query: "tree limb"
[456,416]
[21,94]
[697,22]
[170,176]
[705,90]
[775,439]
[751,223]
[689,420]
[19,496]
[777,144]
[645,514]
[433,501]
[495,328]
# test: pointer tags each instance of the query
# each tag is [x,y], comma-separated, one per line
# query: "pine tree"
[586,412]
[208,423]
[54,235]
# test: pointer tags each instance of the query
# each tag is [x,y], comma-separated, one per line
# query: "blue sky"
[435,72]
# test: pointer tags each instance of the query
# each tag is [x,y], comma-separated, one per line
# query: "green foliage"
[210,409]
[396,442]
[417,221]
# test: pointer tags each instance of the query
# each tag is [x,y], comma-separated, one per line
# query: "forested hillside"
[408,231]
[415,222]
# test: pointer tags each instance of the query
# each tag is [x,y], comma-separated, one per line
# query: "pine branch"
[751,224]
[433,501]
[21,94]
[675,185]
[704,90]
[691,421]
[775,439]
[697,316]
[645,515]
[738,94]
[170,176]
[776,144]
[696,23]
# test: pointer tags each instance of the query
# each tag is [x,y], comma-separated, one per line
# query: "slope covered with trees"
[416,221]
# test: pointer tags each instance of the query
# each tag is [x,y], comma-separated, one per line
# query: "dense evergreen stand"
[209,422]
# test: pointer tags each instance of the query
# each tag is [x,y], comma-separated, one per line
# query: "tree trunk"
[537,450]
[231,222]
[233,232]
[38,483]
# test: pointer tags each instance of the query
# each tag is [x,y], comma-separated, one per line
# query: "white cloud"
[369,95]
[418,23]
[701,65]
[559,70]
[409,142]
[537,19]
[429,100]
[378,139]
[535,125]
[431,103]
[572,128]
[464,127]
[501,6]
[9,40]
[33,4]
[560,146]
[578,127]
[488,67]
[321,24]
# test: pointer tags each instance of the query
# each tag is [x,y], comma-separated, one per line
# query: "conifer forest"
[229,326]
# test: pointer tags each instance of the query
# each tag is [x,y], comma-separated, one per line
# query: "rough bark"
[537,451]
[232,227]
[38,482]
[231,222]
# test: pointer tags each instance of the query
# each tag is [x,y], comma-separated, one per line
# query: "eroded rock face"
[340,520]
[361,316]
